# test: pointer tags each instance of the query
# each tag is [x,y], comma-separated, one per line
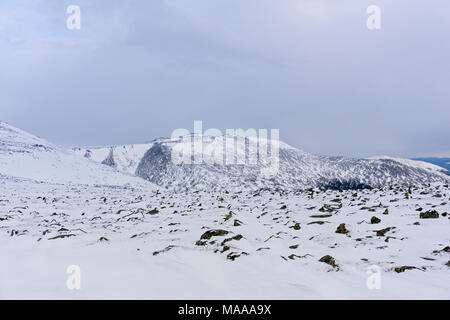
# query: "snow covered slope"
[124,158]
[296,169]
[413,163]
[224,244]
[27,156]
[311,244]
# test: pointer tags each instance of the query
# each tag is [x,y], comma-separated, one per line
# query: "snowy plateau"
[139,226]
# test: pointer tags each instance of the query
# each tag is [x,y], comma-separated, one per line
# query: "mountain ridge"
[25,155]
[298,169]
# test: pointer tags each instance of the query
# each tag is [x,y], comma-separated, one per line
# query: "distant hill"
[23,155]
[297,169]
[442,162]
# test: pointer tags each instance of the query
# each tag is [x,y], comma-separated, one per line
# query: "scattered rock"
[341,229]
[318,222]
[382,232]
[152,212]
[229,216]
[213,233]
[293,256]
[62,236]
[236,237]
[404,268]
[321,216]
[237,223]
[296,226]
[329,260]
[375,220]
[327,208]
[233,255]
[163,250]
[430,214]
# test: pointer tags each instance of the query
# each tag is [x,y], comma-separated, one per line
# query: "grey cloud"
[140,69]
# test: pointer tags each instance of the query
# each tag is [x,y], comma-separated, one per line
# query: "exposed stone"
[236,237]
[321,216]
[152,212]
[318,222]
[62,236]
[237,223]
[213,233]
[328,260]
[163,250]
[341,229]
[229,216]
[375,220]
[382,232]
[430,214]
[404,268]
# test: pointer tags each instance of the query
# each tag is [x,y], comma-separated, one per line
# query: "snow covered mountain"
[294,244]
[124,158]
[296,169]
[24,155]
[414,163]
[27,156]
[437,161]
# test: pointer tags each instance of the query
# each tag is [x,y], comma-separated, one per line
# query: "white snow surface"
[132,240]
[27,156]
[127,249]
[126,157]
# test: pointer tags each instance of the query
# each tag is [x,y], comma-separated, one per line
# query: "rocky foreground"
[133,243]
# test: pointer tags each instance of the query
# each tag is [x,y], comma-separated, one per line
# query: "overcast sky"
[137,70]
